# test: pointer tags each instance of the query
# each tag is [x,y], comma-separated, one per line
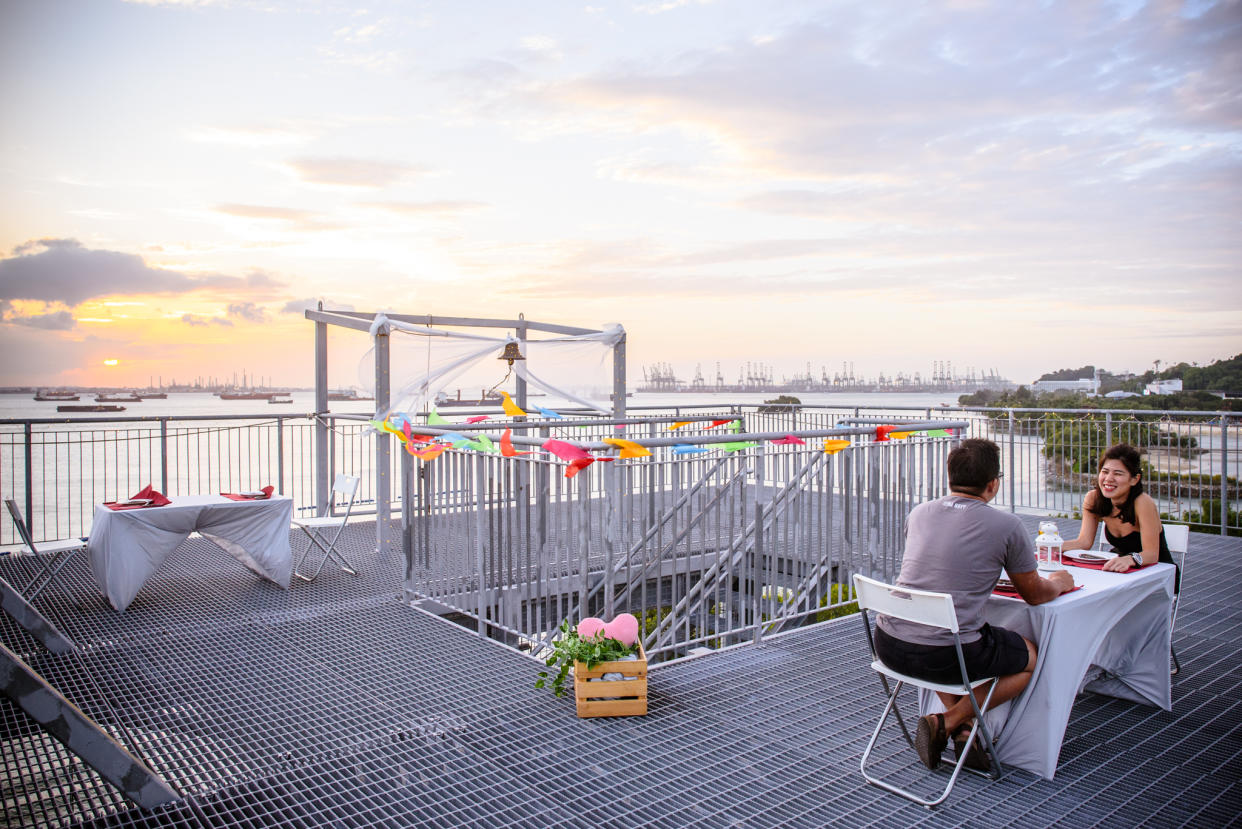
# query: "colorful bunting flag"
[430,453]
[790,439]
[511,409]
[434,419]
[687,449]
[564,451]
[629,448]
[716,423]
[737,445]
[506,445]
[736,427]
[900,435]
[832,447]
[549,414]
[675,426]
[882,432]
[477,419]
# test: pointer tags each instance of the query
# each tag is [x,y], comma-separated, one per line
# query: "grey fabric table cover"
[127,546]
[1111,637]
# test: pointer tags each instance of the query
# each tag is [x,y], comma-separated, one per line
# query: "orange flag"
[675,426]
[629,448]
[832,447]
[506,445]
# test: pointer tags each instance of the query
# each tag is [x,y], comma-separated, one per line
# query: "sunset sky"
[1009,185]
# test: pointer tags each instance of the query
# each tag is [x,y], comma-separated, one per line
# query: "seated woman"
[1131,520]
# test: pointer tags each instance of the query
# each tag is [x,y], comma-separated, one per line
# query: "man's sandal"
[930,740]
[976,758]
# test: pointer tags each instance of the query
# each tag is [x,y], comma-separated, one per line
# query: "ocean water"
[181,404]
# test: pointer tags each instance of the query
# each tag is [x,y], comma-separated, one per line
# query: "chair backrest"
[921,606]
[20,524]
[1177,536]
[346,485]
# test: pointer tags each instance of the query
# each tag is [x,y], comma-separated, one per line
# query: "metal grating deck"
[332,704]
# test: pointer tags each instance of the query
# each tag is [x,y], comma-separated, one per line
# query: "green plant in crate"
[568,647]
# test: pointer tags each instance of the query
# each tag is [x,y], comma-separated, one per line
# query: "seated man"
[958,545]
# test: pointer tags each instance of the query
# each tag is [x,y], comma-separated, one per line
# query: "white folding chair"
[58,554]
[317,529]
[933,610]
[1177,536]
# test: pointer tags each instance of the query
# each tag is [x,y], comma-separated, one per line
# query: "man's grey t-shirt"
[958,545]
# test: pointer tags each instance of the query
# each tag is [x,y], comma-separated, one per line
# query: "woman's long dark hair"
[1129,457]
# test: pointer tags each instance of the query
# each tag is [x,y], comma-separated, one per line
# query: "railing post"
[164,455]
[612,507]
[1013,470]
[323,480]
[756,574]
[1224,475]
[280,456]
[480,525]
[383,443]
[29,455]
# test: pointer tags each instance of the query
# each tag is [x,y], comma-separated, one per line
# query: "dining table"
[127,545]
[1111,635]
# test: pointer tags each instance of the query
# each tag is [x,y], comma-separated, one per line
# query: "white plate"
[136,502]
[257,493]
[1092,556]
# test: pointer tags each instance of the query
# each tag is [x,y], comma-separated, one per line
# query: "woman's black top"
[1133,543]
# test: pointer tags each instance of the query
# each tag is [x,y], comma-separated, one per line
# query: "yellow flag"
[629,448]
[511,409]
[899,435]
[674,427]
[832,447]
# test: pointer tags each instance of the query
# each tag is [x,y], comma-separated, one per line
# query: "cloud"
[297,219]
[195,320]
[259,211]
[64,271]
[55,321]
[300,306]
[247,311]
[427,208]
[351,172]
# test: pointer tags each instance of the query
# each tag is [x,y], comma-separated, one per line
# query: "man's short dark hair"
[973,464]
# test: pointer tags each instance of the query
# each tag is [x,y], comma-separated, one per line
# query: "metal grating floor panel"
[332,704]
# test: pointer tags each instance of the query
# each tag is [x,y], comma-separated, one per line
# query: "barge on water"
[91,407]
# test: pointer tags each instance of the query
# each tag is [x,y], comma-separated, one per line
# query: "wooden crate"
[614,698]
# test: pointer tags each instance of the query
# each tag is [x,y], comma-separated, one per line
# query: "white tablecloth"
[127,546]
[1117,622]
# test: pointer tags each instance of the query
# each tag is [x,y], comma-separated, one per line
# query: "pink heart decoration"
[589,627]
[624,629]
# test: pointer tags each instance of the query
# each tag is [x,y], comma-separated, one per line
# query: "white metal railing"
[57,469]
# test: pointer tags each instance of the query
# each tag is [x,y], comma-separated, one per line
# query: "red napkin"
[156,497]
[1014,594]
[233,496]
[1091,565]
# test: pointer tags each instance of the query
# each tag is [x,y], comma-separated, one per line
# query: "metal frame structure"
[709,549]
[362,321]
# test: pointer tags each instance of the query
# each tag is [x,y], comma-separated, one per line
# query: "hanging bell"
[511,353]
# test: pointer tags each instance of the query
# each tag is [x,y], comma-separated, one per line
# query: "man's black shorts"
[997,652]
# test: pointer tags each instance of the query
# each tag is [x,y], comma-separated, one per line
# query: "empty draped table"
[1111,637]
[127,546]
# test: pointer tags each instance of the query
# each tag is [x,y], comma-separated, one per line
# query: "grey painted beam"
[35,623]
[80,734]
